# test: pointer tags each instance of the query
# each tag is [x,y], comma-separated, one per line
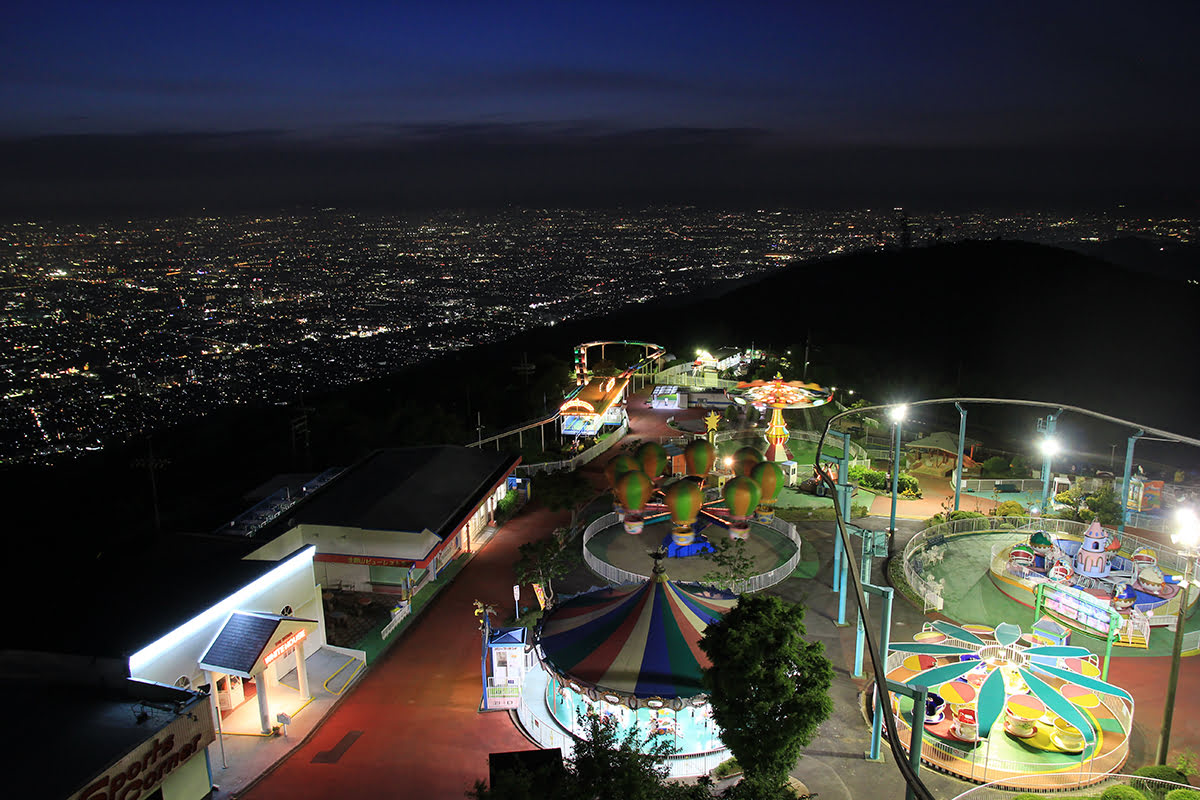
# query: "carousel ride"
[641,495]
[632,654]
[777,395]
[1000,709]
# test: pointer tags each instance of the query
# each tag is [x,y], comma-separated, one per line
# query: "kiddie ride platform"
[1091,585]
[999,710]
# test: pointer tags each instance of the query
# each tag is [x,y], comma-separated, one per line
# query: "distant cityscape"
[110,330]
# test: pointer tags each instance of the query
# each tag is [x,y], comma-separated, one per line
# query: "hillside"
[977,319]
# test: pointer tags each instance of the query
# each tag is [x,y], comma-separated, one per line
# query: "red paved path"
[417,706]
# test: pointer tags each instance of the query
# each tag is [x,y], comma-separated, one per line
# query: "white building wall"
[179,652]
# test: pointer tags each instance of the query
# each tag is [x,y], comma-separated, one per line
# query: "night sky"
[115,105]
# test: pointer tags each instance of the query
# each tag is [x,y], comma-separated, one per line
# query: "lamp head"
[1049,446]
[1187,530]
[898,413]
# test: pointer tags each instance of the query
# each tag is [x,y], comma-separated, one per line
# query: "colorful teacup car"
[1022,713]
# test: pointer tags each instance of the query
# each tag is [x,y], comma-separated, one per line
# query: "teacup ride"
[1013,711]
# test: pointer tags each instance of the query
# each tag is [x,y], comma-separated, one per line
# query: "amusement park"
[987,634]
[1027,623]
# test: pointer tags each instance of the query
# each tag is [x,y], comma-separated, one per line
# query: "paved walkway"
[411,727]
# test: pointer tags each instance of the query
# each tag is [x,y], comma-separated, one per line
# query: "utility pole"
[152,464]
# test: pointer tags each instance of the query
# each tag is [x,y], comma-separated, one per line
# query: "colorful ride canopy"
[638,641]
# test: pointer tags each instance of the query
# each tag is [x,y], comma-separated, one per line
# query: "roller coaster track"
[653,353]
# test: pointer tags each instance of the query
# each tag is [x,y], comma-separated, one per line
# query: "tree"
[564,490]
[605,765]
[769,688]
[733,564]
[545,560]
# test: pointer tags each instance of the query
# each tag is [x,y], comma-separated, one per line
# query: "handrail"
[757,583]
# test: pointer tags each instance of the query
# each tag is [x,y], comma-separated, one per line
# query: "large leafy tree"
[769,688]
[606,764]
[546,560]
[564,490]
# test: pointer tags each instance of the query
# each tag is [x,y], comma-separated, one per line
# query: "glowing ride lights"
[897,414]
[778,394]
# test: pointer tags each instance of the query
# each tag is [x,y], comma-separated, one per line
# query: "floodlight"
[1187,529]
[898,413]
[1049,446]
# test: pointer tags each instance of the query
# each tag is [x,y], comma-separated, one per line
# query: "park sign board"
[503,697]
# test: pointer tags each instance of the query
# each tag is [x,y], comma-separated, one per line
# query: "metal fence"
[931,595]
[990,484]
[1011,773]
[1003,790]
[681,375]
[587,456]
[619,576]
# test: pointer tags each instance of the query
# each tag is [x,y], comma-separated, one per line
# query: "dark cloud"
[570,163]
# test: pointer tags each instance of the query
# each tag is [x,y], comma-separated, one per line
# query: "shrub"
[1159,772]
[907,484]
[726,768]
[936,519]
[995,467]
[1121,793]
[966,515]
[506,505]
[909,494]
[1182,794]
[1009,508]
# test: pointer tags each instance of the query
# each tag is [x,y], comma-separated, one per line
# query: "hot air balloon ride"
[745,459]
[684,500]
[615,468]
[778,394]
[652,459]
[698,457]
[633,490]
[741,498]
[769,477]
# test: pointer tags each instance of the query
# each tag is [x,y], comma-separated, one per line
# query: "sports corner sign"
[143,769]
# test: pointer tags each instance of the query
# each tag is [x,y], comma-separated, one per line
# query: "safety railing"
[1002,790]
[587,456]
[616,575]
[1003,772]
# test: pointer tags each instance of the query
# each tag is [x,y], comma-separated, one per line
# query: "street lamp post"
[897,413]
[1187,538]
[1049,447]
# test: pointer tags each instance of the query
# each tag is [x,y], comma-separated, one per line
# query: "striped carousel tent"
[635,641]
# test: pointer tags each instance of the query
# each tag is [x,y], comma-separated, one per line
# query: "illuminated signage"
[576,404]
[142,771]
[284,645]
